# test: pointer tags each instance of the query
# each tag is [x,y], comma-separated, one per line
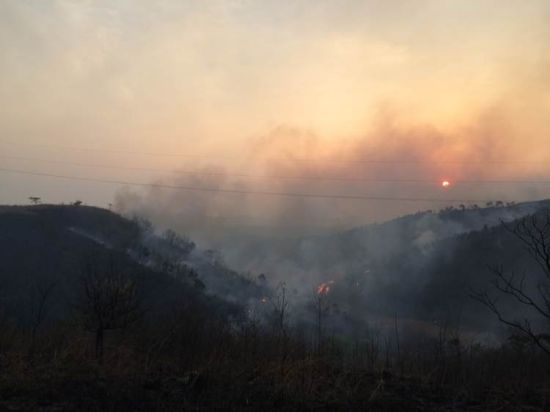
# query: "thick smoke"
[255,232]
[473,152]
[304,241]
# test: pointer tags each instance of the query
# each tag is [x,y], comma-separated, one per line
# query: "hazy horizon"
[367,95]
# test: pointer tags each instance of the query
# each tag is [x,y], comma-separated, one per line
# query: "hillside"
[49,246]
[390,332]
[421,267]
[420,230]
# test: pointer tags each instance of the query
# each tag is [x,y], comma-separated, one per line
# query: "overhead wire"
[268,176]
[239,191]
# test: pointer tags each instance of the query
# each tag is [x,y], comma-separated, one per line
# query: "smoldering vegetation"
[412,297]
[303,242]
[99,311]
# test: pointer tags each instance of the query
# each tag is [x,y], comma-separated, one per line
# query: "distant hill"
[419,230]
[425,266]
[421,266]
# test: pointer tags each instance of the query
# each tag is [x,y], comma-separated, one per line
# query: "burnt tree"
[109,301]
[530,290]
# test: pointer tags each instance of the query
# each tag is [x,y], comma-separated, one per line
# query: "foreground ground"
[303,386]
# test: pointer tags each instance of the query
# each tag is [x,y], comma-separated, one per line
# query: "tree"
[109,301]
[321,308]
[280,311]
[181,244]
[530,290]
[40,295]
[35,200]
[280,320]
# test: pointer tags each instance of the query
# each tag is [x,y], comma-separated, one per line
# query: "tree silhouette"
[40,296]
[109,301]
[530,290]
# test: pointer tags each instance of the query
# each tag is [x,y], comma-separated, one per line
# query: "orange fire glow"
[324,287]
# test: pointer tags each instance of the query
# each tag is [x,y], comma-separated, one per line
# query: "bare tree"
[39,304]
[321,308]
[109,301]
[279,316]
[531,290]
[280,309]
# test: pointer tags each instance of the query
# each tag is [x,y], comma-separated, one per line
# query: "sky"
[435,89]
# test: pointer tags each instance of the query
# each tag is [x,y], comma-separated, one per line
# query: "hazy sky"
[254,85]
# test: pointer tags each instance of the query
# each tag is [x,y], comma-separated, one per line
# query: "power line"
[301,160]
[240,191]
[277,177]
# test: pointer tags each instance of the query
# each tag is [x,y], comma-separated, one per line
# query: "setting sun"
[445,184]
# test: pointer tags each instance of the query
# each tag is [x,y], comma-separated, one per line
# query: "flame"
[324,287]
